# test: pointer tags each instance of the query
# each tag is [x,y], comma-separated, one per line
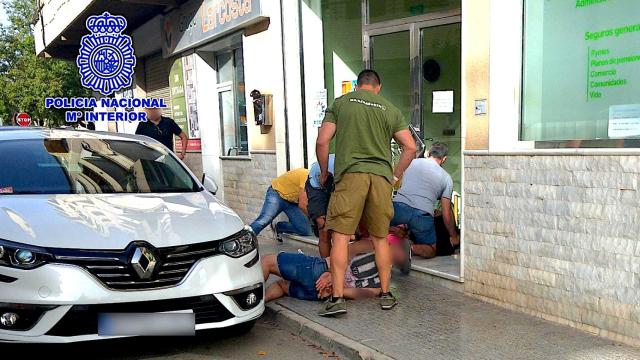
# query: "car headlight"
[240,244]
[22,256]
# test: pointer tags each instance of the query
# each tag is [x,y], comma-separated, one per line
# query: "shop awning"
[64,21]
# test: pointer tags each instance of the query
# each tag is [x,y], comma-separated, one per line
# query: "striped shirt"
[362,272]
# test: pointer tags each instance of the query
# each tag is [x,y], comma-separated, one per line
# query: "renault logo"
[143,262]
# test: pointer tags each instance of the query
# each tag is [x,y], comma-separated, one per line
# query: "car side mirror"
[209,184]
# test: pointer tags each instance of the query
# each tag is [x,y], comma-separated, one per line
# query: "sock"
[334,299]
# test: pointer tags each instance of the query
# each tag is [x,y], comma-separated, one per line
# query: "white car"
[95,225]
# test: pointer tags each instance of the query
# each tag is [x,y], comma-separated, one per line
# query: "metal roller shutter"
[156,73]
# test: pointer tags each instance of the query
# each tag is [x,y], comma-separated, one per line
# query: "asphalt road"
[265,341]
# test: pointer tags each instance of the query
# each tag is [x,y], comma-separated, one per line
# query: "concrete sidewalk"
[432,322]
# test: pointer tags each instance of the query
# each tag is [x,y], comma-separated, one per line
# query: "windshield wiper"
[171,190]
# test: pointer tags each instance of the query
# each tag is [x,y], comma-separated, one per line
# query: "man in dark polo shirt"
[162,129]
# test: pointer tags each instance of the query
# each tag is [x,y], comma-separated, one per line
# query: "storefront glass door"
[392,62]
[441,81]
[420,67]
[427,89]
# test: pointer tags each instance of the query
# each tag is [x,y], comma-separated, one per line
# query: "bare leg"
[324,243]
[425,251]
[270,266]
[383,262]
[277,290]
[339,261]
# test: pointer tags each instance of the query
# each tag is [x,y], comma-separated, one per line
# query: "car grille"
[83,319]
[114,268]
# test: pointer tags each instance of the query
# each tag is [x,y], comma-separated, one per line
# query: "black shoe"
[277,236]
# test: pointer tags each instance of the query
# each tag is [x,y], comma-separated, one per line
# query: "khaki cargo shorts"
[361,195]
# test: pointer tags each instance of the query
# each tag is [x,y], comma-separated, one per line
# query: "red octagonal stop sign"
[23,119]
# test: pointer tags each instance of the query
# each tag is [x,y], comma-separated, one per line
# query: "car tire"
[242,329]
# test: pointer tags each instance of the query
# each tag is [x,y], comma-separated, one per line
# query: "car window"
[89,166]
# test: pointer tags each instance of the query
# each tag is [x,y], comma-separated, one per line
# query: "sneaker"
[388,301]
[333,308]
[276,234]
[406,265]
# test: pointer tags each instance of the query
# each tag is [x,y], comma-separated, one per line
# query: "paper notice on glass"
[624,121]
[442,102]
[320,105]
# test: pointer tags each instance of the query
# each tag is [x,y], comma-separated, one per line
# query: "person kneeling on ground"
[308,277]
[424,183]
[286,194]
[318,196]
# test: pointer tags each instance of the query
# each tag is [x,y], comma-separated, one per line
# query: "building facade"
[551,172]
[537,101]
[205,58]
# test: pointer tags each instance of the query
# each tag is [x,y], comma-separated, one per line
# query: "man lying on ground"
[308,277]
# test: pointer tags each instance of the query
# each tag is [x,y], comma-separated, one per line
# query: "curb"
[323,336]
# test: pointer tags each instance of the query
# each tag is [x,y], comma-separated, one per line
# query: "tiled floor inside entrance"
[444,265]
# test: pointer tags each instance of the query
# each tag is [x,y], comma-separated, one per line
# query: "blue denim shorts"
[302,272]
[420,223]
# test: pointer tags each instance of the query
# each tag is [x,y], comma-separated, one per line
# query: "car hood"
[112,221]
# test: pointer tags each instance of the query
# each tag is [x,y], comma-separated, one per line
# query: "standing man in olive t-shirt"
[363,123]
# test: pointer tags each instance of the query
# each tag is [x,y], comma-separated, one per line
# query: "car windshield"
[89,166]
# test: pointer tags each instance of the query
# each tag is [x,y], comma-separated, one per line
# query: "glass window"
[228,122]
[390,57]
[241,101]
[382,10]
[233,103]
[90,166]
[225,67]
[342,37]
[581,71]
